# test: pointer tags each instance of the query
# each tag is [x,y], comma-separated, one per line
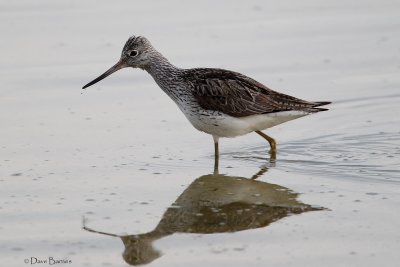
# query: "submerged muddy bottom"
[115,175]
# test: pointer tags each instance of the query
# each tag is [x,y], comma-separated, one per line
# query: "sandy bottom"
[121,159]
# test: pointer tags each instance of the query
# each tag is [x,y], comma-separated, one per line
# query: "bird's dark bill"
[113,69]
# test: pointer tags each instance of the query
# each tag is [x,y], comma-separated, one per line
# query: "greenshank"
[219,102]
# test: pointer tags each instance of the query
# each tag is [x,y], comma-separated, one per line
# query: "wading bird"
[219,102]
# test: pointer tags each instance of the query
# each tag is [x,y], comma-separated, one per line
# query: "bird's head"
[136,53]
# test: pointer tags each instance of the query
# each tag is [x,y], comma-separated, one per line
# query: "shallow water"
[122,160]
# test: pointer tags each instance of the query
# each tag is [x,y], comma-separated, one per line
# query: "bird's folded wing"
[238,95]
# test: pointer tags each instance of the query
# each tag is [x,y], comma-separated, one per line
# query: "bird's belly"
[222,125]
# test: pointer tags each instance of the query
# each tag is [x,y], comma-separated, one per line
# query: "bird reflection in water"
[215,204]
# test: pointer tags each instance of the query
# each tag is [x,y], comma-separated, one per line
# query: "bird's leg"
[216,158]
[271,142]
[216,155]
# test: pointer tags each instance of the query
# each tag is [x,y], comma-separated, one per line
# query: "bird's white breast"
[222,125]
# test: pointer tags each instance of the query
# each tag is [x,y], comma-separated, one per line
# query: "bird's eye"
[133,53]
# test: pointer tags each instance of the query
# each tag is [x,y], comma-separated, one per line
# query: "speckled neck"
[167,76]
[160,68]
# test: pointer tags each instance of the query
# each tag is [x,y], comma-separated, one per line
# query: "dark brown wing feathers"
[238,95]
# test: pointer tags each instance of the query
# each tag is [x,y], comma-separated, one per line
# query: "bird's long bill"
[113,69]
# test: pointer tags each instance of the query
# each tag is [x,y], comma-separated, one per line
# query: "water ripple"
[365,157]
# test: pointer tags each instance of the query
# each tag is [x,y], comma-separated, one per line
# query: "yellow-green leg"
[271,142]
[216,155]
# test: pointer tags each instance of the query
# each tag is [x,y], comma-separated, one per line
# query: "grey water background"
[121,153]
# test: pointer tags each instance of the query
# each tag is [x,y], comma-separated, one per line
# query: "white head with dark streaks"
[137,53]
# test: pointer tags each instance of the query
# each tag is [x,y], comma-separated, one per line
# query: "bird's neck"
[166,75]
[160,68]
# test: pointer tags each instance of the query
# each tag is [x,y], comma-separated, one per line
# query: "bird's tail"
[315,107]
[322,103]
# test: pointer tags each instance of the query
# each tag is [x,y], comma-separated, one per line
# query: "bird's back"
[239,96]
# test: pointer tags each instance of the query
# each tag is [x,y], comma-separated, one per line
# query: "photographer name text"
[48,261]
